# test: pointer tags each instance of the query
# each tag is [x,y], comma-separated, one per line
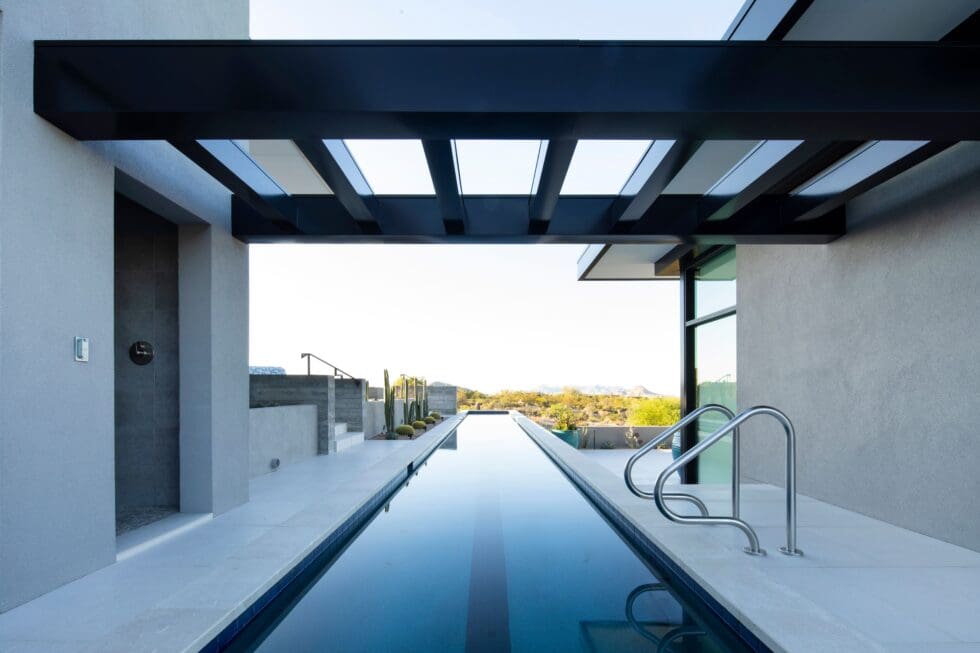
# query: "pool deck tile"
[177,592]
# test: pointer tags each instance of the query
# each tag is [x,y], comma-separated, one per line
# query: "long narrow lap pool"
[489,548]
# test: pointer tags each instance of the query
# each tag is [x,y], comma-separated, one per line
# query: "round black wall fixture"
[141,352]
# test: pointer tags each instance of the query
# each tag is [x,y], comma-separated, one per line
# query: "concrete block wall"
[57,477]
[870,345]
[287,433]
[442,399]
[350,400]
[292,389]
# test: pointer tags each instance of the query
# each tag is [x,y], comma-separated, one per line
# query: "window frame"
[689,266]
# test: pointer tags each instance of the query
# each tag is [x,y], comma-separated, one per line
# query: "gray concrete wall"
[57,492]
[293,389]
[284,432]
[147,396]
[617,435]
[442,399]
[213,370]
[374,416]
[870,345]
[350,400]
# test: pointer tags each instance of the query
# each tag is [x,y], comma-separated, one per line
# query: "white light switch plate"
[81,349]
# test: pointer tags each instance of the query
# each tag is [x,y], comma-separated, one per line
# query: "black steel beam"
[504,219]
[810,208]
[442,169]
[770,218]
[806,160]
[329,169]
[553,170]
[627,209]
[186,90]
[276,210]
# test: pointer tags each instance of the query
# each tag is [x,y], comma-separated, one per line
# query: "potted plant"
[564,425]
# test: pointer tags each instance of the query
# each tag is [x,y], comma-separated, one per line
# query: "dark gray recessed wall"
[147,397]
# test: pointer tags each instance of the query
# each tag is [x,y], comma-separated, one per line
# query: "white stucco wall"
[870,344]
[56,281]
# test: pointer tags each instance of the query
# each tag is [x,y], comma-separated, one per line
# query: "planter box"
[570,437]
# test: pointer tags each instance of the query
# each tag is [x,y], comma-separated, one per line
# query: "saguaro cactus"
[389,406]
[416,406]
[405,406]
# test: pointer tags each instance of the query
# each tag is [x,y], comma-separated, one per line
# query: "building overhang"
[829,99]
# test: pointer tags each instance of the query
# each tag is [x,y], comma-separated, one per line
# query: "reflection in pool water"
[490,548]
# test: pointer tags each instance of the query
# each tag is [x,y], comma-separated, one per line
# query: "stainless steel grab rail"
[337,372]
[681,496]
[753,548]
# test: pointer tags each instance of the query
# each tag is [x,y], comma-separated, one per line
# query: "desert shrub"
[405,429]
[657,411]
[429,420]
[564,419]
[607,445]
[419,424]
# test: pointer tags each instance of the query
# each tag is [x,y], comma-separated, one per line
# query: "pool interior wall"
[490,547]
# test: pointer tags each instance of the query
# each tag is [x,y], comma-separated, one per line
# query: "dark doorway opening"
[147,371]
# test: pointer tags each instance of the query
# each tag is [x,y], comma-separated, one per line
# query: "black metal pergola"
[834,97]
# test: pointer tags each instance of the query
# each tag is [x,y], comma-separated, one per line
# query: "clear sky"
[492,19]
[485,317]
[480,316]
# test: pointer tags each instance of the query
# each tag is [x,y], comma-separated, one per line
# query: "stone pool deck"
[862,585]
[177,590]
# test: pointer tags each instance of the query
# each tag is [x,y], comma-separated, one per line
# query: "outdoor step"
[339,428]
[346,440]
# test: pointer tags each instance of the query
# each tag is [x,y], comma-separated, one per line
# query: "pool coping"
[332,542]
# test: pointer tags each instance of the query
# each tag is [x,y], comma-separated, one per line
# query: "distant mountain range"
[635,391]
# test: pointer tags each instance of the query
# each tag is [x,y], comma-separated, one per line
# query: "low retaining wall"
[337,400]
[616,435]
[288,433]
[442,399]
[374,416]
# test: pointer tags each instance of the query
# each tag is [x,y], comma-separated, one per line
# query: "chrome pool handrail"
[753,548]
[682,496]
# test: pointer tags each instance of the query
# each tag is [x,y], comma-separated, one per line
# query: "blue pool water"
[488,548]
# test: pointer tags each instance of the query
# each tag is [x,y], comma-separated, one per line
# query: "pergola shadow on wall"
[824,122]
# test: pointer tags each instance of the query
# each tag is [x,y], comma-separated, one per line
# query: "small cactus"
[419,424]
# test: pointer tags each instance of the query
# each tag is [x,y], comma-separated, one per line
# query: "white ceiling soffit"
[880,20]
[283,161]
[624,262]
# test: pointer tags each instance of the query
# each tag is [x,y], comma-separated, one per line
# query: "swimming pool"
[488,548]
